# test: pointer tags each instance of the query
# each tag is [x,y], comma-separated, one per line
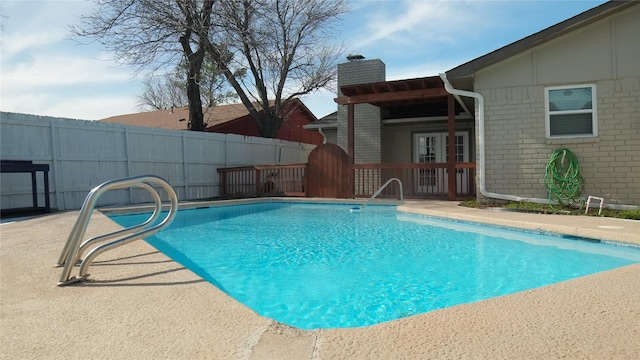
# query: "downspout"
[481,163]
[324,137]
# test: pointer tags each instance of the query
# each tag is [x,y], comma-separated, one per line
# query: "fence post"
[55,147]
[185,167]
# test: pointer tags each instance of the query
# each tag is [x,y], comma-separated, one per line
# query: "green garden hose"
[564,181]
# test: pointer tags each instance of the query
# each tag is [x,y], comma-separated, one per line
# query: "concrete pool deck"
[139,304]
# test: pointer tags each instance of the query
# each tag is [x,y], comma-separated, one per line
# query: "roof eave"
[315,127]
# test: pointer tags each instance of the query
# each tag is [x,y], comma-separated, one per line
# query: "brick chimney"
[367,119]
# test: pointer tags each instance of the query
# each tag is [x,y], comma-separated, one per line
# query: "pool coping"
[533,231]
[141,304]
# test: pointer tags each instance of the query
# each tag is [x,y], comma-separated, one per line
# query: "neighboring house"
[575,85]
[327,126]
[228,119]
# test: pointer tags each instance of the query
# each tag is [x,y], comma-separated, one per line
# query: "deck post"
[350,133]
[258,180]
[451,163]
[351,146]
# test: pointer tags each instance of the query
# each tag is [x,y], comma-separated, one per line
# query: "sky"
[43,71]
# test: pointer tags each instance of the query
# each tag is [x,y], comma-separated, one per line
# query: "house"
[399,129]
[228,119]
[574,85]
[327,127]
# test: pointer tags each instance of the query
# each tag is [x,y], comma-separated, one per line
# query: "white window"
[571,111]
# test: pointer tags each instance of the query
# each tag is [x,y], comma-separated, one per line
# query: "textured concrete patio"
[139,304]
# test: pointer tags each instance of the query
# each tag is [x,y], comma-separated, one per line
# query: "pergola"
[421,92]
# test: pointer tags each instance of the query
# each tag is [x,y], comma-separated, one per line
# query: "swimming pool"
[321,266]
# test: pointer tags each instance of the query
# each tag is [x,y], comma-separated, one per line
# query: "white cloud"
[90,106]
[52,70]
[13,44]
[44,73]
[94,107]
[413,23]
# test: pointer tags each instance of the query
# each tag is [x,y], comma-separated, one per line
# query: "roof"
[177,118]
[329,121]
[609,8]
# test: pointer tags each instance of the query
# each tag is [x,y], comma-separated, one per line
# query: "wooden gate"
[328,173]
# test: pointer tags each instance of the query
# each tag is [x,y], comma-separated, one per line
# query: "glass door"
[462,155]
[432,148]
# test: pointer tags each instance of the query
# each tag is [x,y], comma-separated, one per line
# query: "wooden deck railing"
[266,180]
[420,181]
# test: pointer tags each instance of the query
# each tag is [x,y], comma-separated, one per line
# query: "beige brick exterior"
[517,149]
[516,146]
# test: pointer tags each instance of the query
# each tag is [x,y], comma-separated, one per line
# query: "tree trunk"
[196,118]
[269,130]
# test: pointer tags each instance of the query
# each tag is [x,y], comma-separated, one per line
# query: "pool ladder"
[73,249]
[379,191]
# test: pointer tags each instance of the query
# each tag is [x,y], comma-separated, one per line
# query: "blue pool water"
[321,266]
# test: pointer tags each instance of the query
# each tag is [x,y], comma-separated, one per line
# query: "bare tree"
[266,49]
[285,47]
[154,35]
[162,93]
[170,90]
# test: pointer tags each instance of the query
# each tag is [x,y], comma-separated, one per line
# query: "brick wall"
[367,117]
[517,149]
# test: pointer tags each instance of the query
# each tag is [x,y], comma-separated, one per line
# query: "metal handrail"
[382,188]
[73,248]
[154,216]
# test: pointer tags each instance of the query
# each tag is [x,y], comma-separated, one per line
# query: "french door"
[431,148]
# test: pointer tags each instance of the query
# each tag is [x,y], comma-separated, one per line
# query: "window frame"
[593,111]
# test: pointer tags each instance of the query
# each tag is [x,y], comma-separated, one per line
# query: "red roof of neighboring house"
[234,119]
[178,118]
